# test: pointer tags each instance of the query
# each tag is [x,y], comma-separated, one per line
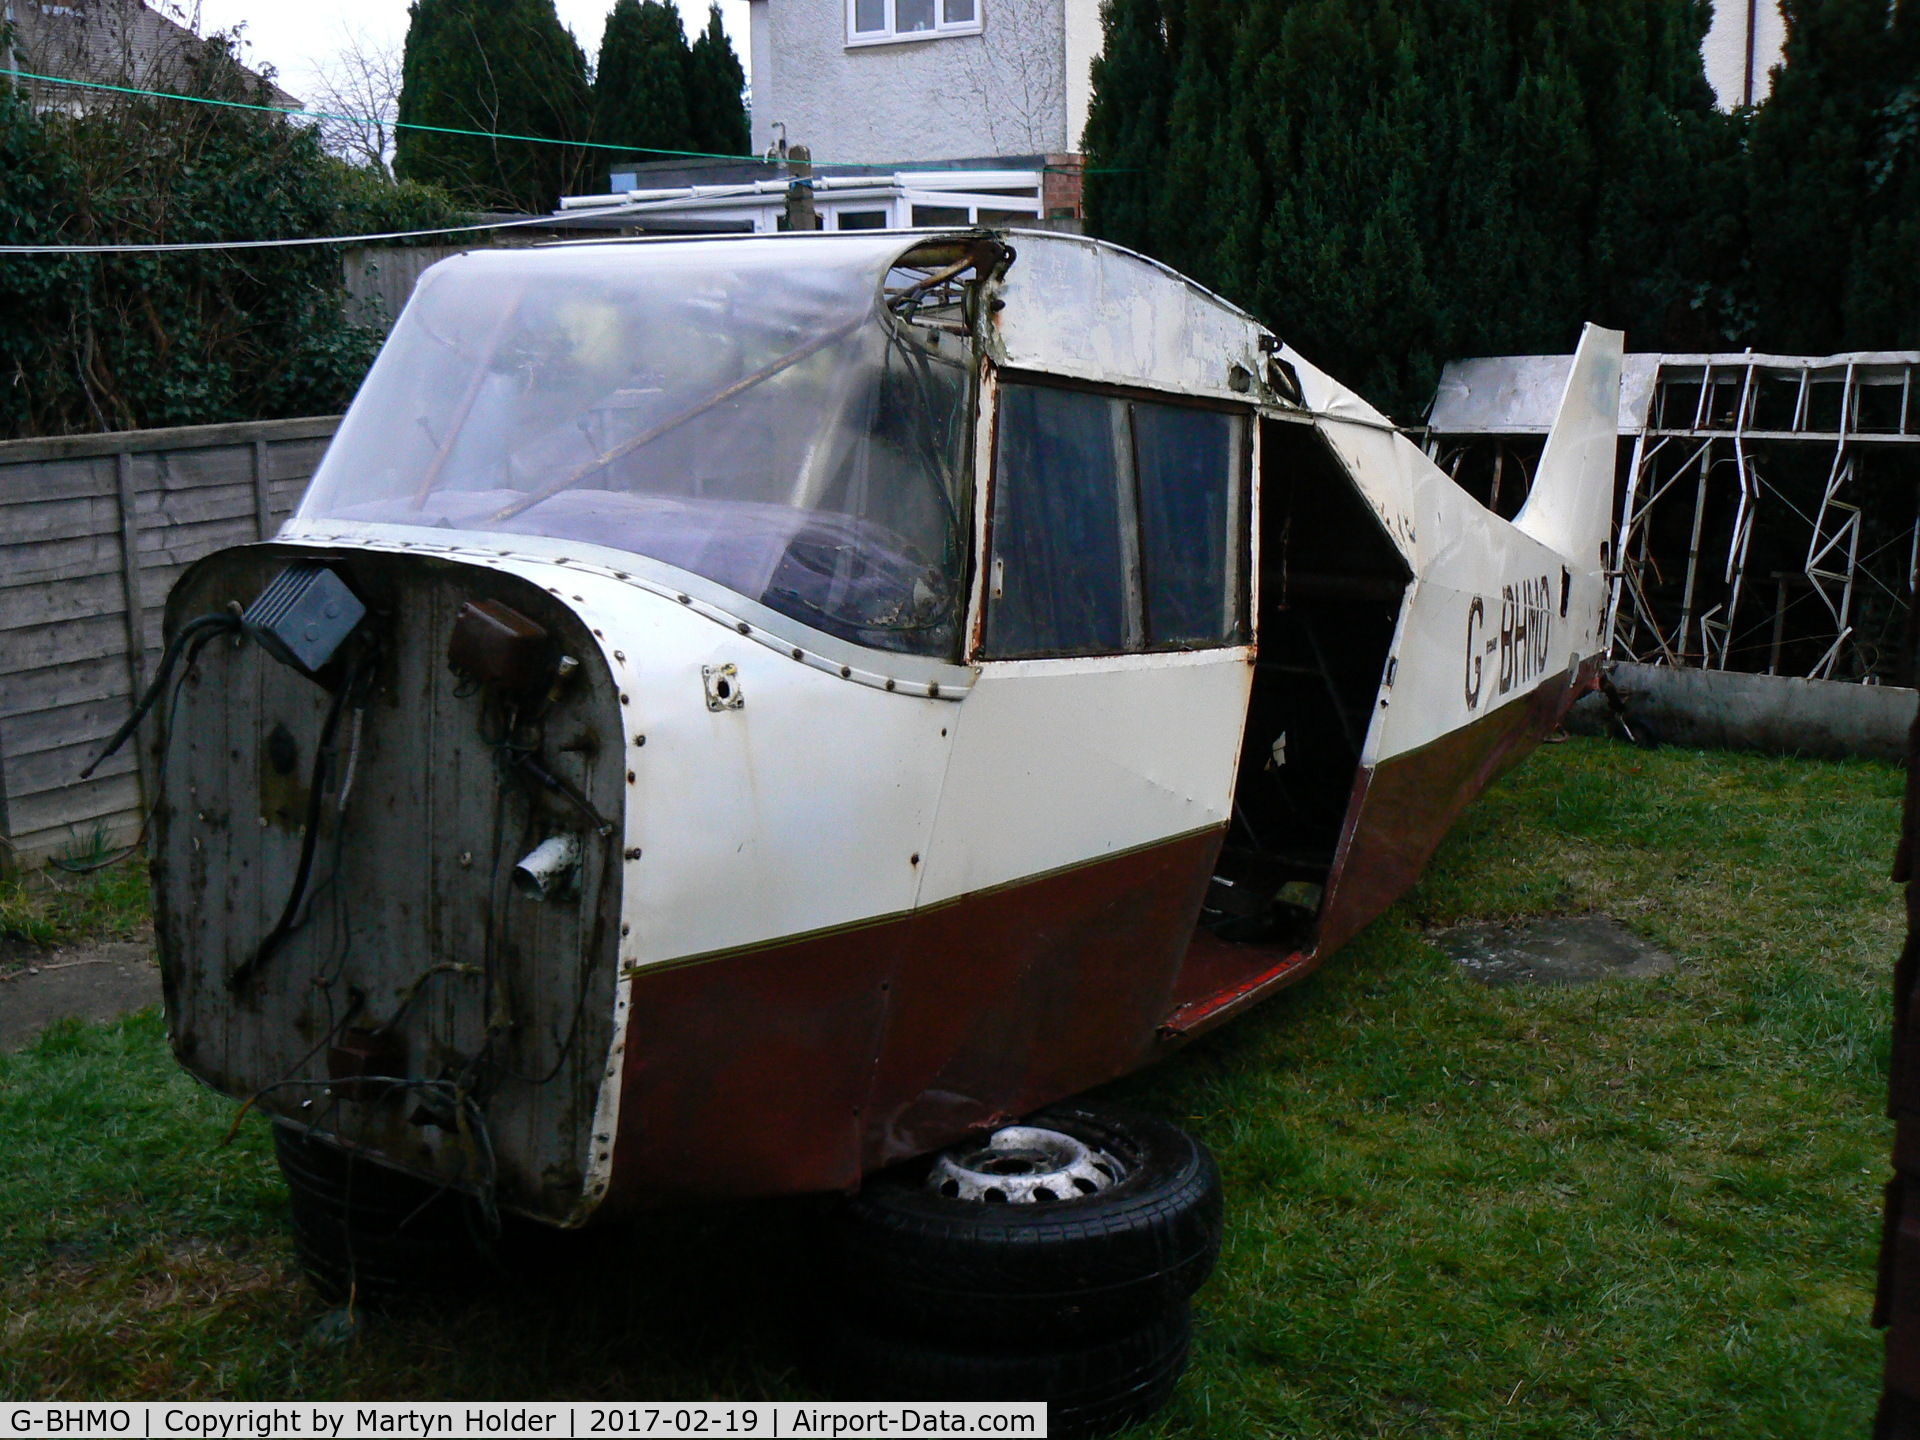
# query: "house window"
[1118,525]
[874,22]
[860,220]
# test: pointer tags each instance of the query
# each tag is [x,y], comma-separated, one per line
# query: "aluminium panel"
[1061,762]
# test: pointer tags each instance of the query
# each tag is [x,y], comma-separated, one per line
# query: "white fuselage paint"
[1469,567]
[1060,762]
[823,802]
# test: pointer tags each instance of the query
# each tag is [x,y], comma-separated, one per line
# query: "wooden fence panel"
[51,603]
[50,771]
[94,531]
[34,564]
[68,519]
[52,726]
[381,278]
[38,647]
[80,478]
[64,819]
[28,692]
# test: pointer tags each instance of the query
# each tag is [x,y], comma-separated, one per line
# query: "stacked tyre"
[365,1231]
[1052,1261]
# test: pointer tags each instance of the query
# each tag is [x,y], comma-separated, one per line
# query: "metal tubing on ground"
[1775,714]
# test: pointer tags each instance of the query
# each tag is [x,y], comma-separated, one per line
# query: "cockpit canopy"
[791,423]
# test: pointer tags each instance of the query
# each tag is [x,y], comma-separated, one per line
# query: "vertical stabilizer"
[1571,505]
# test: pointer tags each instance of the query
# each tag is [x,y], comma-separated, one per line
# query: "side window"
[1057,582]
[1118,525]
[1187,465]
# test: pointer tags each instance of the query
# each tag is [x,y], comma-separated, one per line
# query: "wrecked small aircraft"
[733,714]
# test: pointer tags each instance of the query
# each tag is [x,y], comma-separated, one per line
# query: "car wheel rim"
[1023,1165]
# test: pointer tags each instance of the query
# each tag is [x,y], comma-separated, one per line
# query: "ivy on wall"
[115,342]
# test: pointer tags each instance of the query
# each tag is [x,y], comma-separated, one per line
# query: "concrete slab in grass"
[1565,950]
[93,982]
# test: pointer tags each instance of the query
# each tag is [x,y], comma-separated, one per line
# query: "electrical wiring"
[192,638]
[470,1122]
[220,621]
[352,692]
[445,967]
[369,120]
[355,1001]
[339,947]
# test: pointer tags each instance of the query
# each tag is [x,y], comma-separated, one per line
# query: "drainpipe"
[12,64]
[1753,24]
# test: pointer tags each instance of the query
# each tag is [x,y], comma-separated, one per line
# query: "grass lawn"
[1642,1208]
[55,909]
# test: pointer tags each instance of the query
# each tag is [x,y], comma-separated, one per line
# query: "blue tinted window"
[1187,472]
[1118,525]
[1056,583]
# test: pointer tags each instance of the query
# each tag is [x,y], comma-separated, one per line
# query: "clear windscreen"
[749,411]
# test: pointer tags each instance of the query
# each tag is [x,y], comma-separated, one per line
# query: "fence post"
[84,670]
[136,607]
[262,501]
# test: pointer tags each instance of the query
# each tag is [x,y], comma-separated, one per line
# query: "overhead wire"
[473,227]
[175,247]
[479,134]
[476,226]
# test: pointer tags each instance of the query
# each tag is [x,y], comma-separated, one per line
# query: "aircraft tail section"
[1570,507]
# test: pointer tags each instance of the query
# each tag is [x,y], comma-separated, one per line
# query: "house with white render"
[1743,45]
[914,112]
[957,112]
[875,81]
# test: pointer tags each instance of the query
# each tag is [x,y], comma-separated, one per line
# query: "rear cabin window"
[1118,525]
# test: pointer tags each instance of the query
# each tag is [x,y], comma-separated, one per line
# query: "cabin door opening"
[1331,583]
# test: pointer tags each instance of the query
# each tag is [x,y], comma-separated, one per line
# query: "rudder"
[1570,507]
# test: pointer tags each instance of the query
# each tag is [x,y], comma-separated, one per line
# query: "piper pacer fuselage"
[819,696]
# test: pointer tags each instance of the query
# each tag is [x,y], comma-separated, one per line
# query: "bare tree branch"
[1018,75]
[356,95]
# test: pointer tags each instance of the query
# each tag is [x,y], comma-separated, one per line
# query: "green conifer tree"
[1126,134]
[640,86]
[1390,183]
[505,67]
[715,87]
[1834,173]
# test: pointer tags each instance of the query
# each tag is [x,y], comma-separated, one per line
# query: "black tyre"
[926,1250]
[363,1229]
[1089,1389]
